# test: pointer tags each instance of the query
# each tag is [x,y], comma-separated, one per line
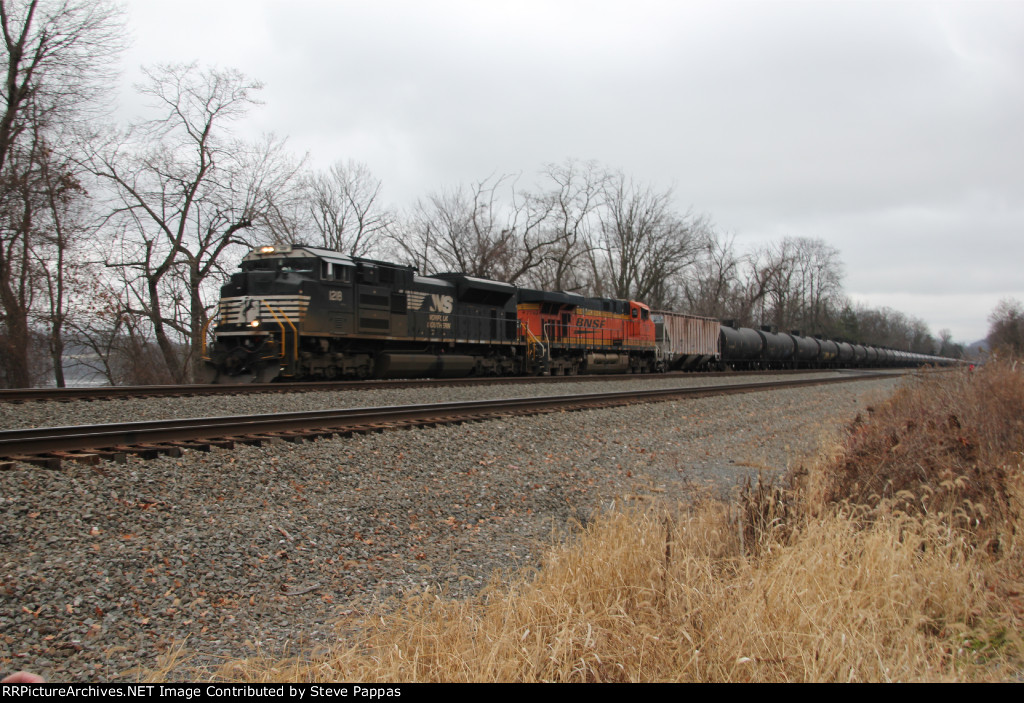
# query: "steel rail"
[21,395]
[78,438]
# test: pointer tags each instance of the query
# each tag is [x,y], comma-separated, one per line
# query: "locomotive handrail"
[573,335]
[532,341]
[567,335]
[284,333]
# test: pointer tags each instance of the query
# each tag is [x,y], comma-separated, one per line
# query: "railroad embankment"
[896,557]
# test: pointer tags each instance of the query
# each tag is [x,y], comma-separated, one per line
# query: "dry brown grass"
[900,560]
[946,445]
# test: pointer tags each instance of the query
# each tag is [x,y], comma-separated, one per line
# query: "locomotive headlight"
[267,250]
[254,323]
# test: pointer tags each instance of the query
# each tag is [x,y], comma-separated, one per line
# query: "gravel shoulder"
[223,554]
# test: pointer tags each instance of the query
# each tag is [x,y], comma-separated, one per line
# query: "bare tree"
[22,205]
[460,230]
[1006,327]
[570,197]
[58,57]
[715,288]
[890,328]
[116,346]
[798,283]
[771,282]
[185,191]
[947,347]
[820,277]
[57,252]
[40,223]
[344,209]
[488,229]
[644,247]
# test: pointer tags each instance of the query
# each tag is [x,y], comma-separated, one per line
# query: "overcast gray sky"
[892,130]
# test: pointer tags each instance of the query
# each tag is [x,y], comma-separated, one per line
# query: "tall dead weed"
[946,445]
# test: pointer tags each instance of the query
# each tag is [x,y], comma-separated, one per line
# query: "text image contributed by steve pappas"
[188,692]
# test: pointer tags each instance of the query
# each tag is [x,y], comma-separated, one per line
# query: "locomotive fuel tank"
[395,365]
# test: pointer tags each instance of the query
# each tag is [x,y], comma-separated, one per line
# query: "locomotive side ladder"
[536,351]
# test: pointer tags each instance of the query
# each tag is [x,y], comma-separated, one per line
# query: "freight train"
[299,312]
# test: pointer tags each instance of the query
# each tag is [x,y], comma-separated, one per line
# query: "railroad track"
[66,395]
[49,446]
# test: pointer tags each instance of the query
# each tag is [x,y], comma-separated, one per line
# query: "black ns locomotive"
[305,312]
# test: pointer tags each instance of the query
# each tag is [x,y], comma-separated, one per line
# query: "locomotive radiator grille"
[246,309]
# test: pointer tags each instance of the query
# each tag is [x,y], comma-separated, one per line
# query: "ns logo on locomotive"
[298,312]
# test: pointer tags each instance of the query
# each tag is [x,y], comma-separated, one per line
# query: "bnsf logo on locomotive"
[594,322]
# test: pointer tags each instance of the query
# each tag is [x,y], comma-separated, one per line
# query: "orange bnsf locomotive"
[588,335]
[297,312]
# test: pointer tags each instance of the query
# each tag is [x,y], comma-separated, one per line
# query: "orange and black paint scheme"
[588,335]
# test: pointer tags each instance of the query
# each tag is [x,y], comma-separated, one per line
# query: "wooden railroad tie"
[46,462]
[150,451]
[90,459]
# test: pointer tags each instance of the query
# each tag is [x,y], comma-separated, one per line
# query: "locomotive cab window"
[297,266]
[261,265]
[330,271]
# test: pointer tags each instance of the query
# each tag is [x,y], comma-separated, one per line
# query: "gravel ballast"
[224,554]
[51,414]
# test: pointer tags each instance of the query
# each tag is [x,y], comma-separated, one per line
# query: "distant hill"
[976,349]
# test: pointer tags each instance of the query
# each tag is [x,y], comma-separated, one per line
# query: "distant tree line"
[114,240]
[1006,328]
